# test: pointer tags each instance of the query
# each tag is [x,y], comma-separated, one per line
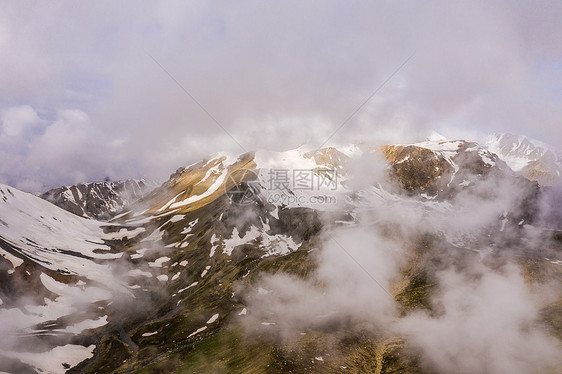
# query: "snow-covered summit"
[529,157]
[98,200]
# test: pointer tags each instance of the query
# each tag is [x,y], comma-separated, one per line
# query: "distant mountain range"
[127,277]
[531,158]
[99,200]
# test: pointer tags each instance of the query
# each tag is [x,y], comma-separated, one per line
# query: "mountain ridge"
[174,280]
[99,200]
[533,159]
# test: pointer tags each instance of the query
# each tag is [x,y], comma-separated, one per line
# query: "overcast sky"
[81,96]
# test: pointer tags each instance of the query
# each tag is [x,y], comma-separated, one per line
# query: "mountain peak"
[435,136]
[99,200]
[531,158]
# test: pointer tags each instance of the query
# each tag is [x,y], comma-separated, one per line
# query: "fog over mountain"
[343,187]
[82,97]
[415,257]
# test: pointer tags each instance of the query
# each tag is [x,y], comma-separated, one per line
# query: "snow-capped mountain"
[441,165]
[181,267]
[532,159]
[99,200]
[55,276]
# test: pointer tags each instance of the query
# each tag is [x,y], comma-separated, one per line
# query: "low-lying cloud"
[481,314]
[487,322]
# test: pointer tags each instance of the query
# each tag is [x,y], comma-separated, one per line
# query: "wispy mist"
[482,313]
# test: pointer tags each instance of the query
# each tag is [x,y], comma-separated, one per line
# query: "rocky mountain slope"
[329,260]
[438,166]
[99,200]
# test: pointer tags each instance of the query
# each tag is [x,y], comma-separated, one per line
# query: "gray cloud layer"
[82,99]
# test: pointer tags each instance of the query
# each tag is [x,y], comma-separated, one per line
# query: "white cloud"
[279,74]
[487,324]
[36,153]
[18,121]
